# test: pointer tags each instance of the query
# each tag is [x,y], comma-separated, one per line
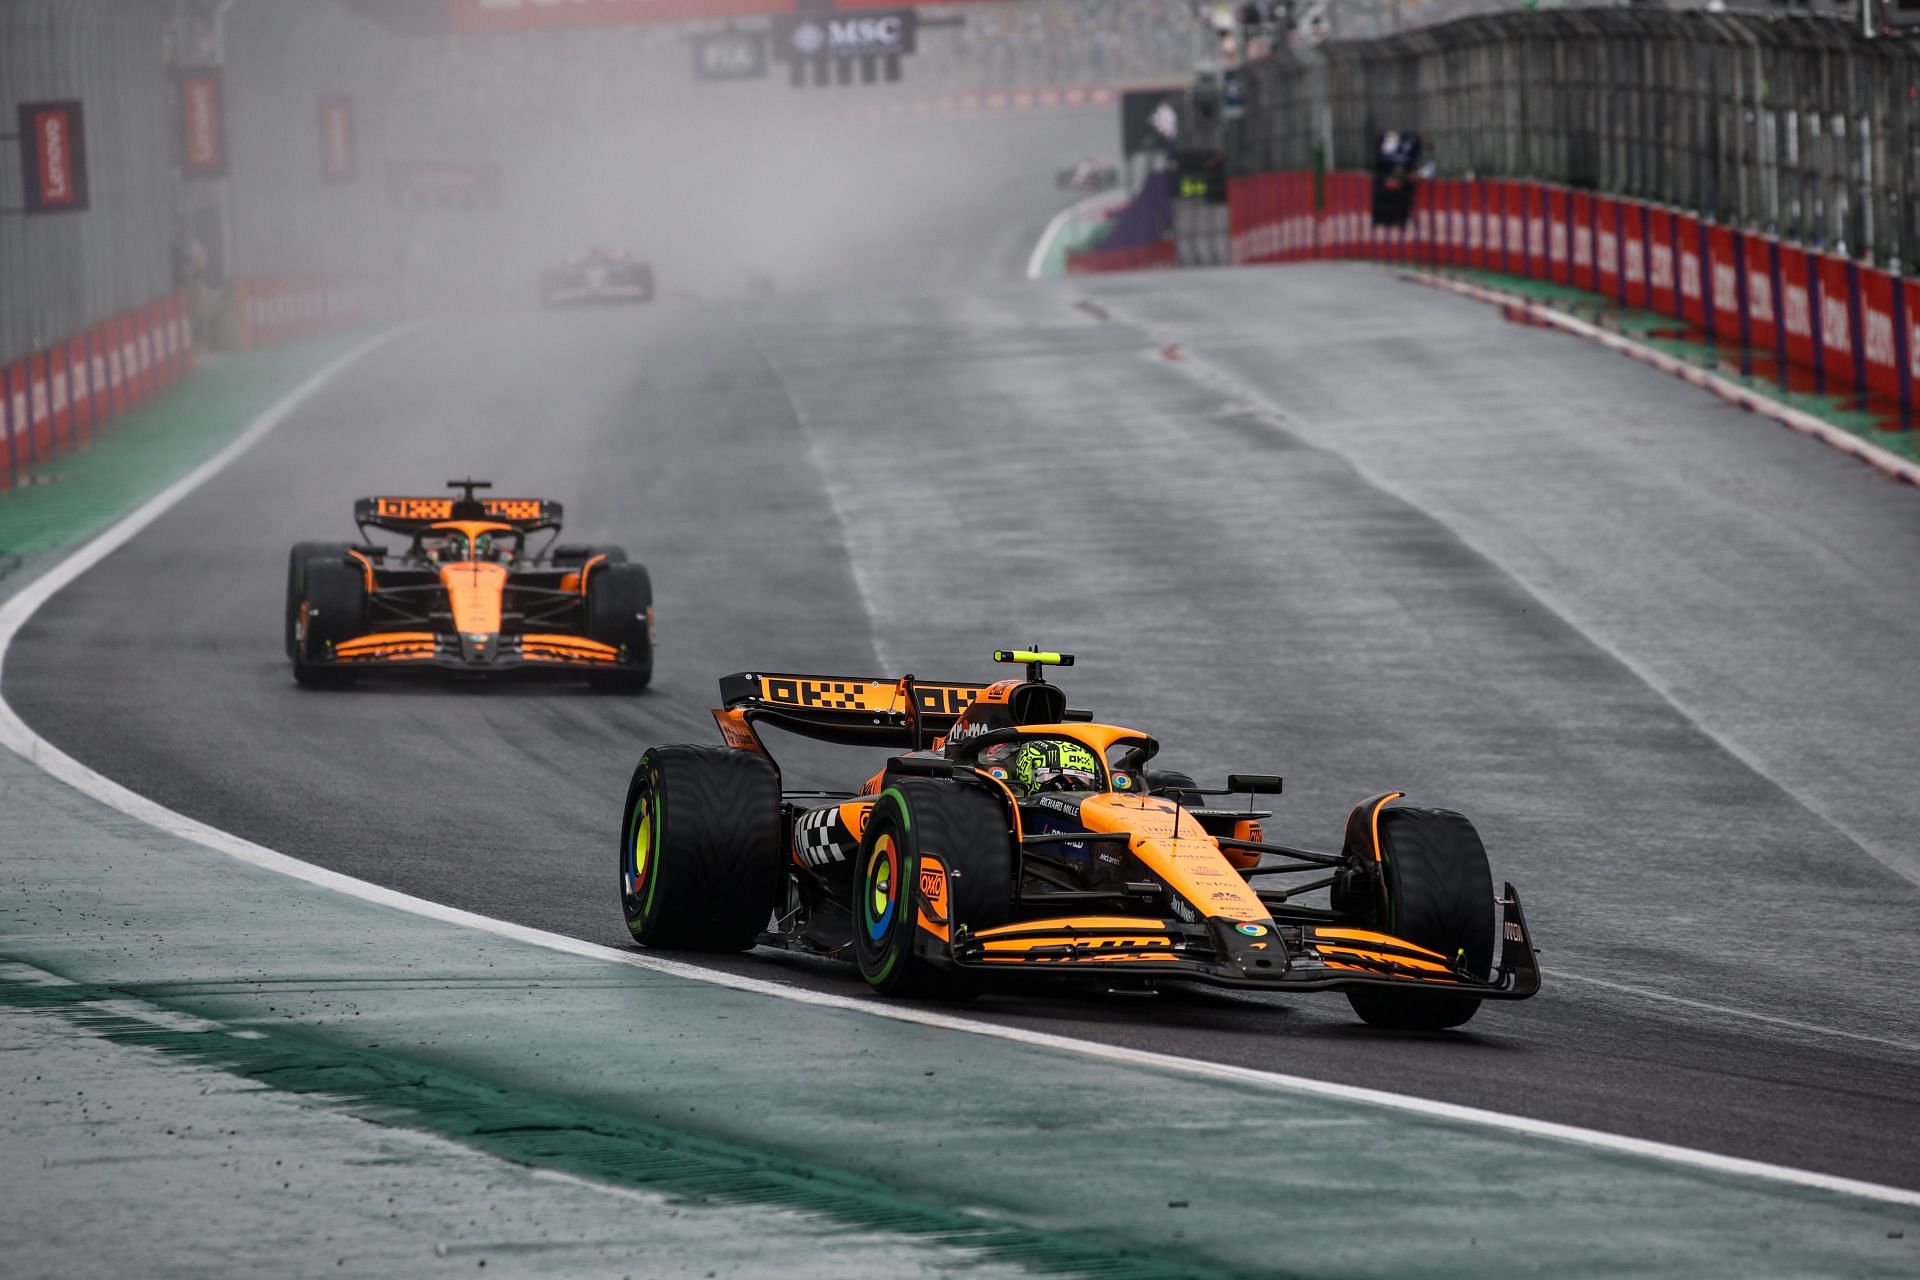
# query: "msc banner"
[203,138]
[882,33]
[53,154]
[336,140]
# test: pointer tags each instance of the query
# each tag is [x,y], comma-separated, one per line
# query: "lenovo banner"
[53,152]
[336,140]
[203,139]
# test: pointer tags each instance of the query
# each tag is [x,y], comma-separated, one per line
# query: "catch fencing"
[1794,125]
[62,273]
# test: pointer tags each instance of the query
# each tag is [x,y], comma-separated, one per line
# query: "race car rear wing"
[411,515]
[857,711]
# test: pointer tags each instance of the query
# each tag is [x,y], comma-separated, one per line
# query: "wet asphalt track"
[1307,520]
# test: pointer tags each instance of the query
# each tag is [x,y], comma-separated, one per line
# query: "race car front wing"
[473,653]
[1285,956]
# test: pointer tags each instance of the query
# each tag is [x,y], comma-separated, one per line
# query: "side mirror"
[1254,784]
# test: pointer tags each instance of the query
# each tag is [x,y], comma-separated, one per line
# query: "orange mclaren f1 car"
[1015,836]
[465,593]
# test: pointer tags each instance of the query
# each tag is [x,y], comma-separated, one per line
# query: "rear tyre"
[297,579]
[700,859]
[333,602]
[967,829]
[620,613]
[1435,890]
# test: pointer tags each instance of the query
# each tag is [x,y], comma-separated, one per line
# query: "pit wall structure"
[1834,324]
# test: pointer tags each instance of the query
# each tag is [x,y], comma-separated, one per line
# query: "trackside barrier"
[56,400]
[1838,325]
[1142,257]
[268,309]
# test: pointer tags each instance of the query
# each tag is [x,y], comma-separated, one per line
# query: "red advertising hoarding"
[59,400]
[1633,253]
[1796,305]
[39,406]
[1539,266]
[1877,331]
[522,15]
[1663,285]
[1559,241]
[1763,304]
[53,157]
[1690,266]
[80,385]
[1606,246]
[1839,324]
[337,161]
[203,136]
[1580,216]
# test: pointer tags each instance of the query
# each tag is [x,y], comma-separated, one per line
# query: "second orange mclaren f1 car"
[465,593]
[1015,836]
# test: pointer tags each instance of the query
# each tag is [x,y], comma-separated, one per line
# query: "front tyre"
[332,608]
[620,613]
[700,861]
[966,829]
[297,581]
[1436,890]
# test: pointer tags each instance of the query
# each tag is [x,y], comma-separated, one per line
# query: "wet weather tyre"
[297,579]
[967,830]
[620,613]
[700,854]
[1435,890]
[334,598]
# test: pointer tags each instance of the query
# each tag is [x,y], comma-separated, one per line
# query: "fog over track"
[1306,520]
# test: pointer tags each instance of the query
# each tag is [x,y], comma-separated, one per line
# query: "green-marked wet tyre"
[1436,890]
[967,829]
[700,861]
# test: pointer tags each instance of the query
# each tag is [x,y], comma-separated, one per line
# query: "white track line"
[1037,261]
[20,738]
[1882,460]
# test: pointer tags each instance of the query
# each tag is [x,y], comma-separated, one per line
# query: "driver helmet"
[484,548]
[452,549]
[1055,764]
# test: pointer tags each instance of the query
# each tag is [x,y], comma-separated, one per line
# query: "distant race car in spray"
[1017,837]
[466,594]
[597,277]
[1088,175]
